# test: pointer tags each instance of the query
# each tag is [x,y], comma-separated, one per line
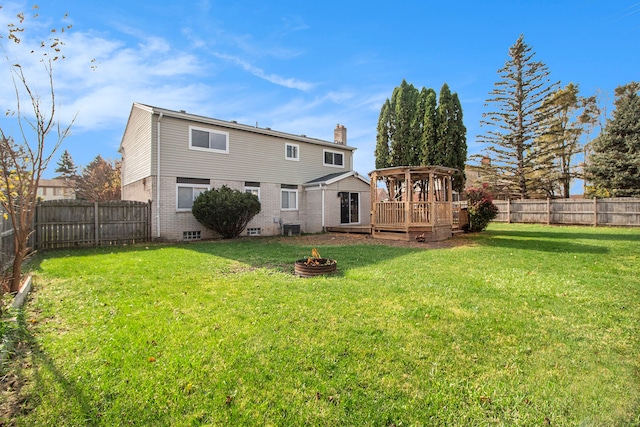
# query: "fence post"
[35,234]
[96,223]
[548,210]
[149,213]
[509,210]
[595,211]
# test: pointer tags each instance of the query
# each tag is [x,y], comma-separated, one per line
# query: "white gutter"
[323,187]
[158,180]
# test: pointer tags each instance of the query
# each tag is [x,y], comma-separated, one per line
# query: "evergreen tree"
[451,145]
[404,147]
[516,124]
[429,127]
[67,169]
[614,165]
[459,150]
[99,181]
[413,129]
[445,128]
[384,137]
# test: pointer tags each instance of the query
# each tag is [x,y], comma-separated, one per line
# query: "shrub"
[225,211]
[481,208]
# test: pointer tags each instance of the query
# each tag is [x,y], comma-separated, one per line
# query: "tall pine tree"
[67,169]
[516,123]
[614,165]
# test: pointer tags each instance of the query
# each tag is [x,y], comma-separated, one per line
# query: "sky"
[302,67]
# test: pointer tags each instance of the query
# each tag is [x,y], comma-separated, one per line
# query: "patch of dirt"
[343,239]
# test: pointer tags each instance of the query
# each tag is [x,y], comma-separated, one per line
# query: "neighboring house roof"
[235,125]
[335,177]
[60,183]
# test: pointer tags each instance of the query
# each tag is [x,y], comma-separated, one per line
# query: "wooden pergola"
[419,203]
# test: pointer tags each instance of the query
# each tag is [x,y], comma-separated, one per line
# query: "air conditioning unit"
[291,229]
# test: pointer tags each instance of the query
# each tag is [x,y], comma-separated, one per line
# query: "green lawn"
[522,325]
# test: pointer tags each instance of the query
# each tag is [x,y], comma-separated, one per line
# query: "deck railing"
[442,213]
[420,213]
[390,213]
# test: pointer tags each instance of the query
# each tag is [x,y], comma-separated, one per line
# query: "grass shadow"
[278,254]
[26,369]
[555,234]
[272,253]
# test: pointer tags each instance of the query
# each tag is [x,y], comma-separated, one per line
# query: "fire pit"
[314,265]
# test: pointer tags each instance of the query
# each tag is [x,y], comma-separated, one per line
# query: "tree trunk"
[20,253]
[16,278]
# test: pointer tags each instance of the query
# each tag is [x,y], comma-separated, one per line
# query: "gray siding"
[136,147]
[251,157]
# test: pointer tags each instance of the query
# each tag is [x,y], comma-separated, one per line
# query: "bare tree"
[25,157]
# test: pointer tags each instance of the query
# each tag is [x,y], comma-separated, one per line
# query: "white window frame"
[296,147]
[210,131]
[324,156]
[252,190]
[193,188]
[288,190]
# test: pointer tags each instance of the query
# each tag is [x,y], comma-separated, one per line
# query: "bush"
[480,207]
[225,211]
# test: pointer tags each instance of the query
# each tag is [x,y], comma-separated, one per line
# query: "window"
[333,158]
[187,194]
[254,231]
[252,188]
[191,235]
[209,140]
[289,195]
[292,152]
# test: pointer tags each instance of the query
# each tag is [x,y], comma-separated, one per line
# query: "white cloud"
[272,78]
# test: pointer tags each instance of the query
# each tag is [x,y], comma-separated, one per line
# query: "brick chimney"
[340,135]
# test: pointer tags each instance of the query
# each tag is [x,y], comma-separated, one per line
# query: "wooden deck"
[355,229]
[422,221]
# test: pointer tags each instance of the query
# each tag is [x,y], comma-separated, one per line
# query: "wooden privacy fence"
[73,223]
[6,242]
[615,211]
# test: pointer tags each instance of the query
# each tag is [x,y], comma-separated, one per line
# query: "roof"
[61,183]
[335,177]
[416,171]
[238,126]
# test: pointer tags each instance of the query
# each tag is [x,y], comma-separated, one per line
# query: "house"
[304,184]
[55,189]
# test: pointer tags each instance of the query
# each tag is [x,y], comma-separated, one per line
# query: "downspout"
[323,187]
[158,179]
